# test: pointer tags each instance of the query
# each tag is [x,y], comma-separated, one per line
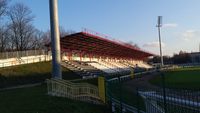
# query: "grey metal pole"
[55,39]
[160,44]
[159,34]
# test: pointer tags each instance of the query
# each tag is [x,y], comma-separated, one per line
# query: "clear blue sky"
[129,20]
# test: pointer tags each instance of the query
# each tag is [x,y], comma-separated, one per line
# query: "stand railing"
[76,91]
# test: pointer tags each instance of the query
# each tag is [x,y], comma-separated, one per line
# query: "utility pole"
[55,39]
[159,25]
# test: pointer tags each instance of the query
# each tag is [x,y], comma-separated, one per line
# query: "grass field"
[30,73]
[188,78]
[36,100]
[126,94]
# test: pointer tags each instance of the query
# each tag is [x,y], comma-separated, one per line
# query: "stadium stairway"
[76,91]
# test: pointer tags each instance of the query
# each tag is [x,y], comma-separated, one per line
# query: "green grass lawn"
[30,73]
[188,78]
[36,100]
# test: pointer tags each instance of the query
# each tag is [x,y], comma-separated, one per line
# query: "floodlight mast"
[159,25]
[55,39]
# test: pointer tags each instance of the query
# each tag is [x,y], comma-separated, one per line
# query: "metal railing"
[125,107]
[173,101]
[152,100]
[129,77]
[77,91]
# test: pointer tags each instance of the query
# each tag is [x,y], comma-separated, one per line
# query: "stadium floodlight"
[55,39]
[159,25]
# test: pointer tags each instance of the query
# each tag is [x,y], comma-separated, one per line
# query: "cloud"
[190,34]
[153,44]
[170,25]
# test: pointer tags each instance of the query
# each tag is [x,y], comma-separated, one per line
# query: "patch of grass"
[180,78]
[30,73]
[126,94]
[93,81]
[186,69]
[36,100]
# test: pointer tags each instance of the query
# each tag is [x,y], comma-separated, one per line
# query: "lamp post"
[159,25]
[55,39]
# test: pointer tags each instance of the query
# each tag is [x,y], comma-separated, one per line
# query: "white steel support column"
[55,39]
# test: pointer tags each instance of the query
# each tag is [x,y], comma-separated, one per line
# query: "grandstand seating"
[102,67]
[83,69]
[75,69]
[135,64]
[143,64]
[121,65]
[118,67]
[88,69]
[109,65]
[84,66]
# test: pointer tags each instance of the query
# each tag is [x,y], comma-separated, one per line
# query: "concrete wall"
[24,60]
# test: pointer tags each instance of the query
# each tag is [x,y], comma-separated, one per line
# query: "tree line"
[17,32]
[180,58]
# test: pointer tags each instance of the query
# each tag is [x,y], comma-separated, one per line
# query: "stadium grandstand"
[90,54]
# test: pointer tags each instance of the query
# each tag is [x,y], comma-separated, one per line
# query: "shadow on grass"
[36,100]
[30,73]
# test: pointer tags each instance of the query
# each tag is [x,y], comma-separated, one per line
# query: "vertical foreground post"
[55,39]
[132,73]
[120,94]
[137,100]
[164,92]
[101,87]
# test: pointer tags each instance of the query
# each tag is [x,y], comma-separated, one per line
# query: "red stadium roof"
[88,43]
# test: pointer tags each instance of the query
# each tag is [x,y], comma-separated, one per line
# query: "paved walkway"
[20,86]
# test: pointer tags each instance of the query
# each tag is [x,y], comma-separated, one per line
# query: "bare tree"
[46,37]
[64,32]
[20,27]
[4,38]
[38,40]
[3,7]
[3,28]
